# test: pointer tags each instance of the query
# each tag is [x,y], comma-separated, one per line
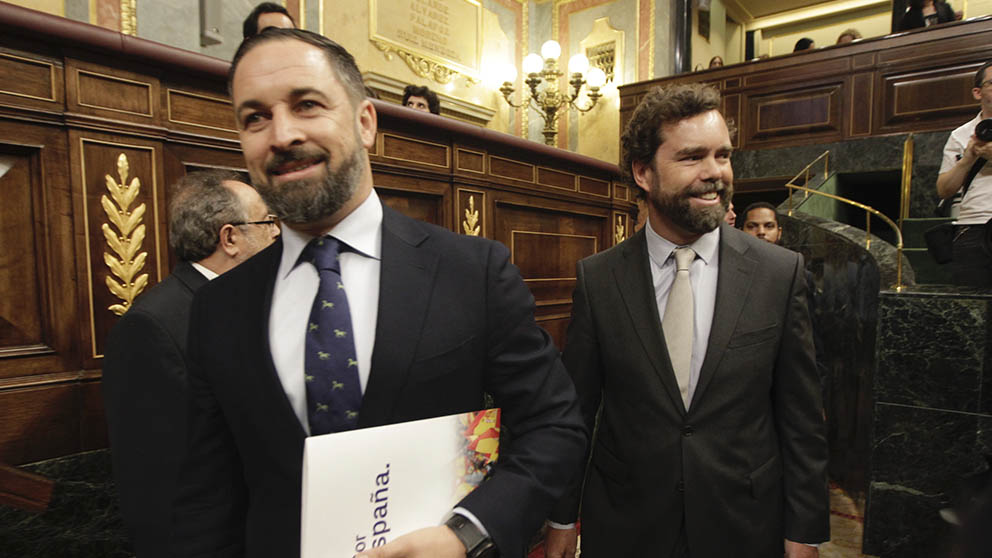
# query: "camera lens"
[983,131]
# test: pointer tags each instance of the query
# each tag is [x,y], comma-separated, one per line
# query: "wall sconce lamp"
[548,100]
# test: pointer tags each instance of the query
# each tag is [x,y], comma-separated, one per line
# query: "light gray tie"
[678,322]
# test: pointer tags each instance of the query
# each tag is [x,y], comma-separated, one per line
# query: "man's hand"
[977,148]
[432,542]
[560,543]
[800,550]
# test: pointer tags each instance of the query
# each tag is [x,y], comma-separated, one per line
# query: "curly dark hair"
[433,104]
[200,205]
[661,106]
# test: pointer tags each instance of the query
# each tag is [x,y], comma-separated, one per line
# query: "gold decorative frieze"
[471,223]
[129,17]
[125,262]
[421,66]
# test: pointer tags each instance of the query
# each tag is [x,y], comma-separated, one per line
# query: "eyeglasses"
[269,220]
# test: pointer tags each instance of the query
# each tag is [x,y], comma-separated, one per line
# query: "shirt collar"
[361,230]
[205,271]
[660,248]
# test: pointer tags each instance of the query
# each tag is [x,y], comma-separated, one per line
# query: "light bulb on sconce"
[551,50]
[542,80]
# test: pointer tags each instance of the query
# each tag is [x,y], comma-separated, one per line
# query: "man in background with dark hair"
[761,221]
[421,98]
[972,263]
[691,352]
[265,15]
[215,222]
[804,44]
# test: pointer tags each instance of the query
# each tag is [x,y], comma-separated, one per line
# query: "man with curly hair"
[691,351]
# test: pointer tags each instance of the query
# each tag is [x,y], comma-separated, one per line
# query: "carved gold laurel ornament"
[471,222]
[621,231]
[125,262]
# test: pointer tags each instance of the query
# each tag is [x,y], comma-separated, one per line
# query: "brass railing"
[804,174]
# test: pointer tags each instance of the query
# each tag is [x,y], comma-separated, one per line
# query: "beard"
[678,208]
[311,200]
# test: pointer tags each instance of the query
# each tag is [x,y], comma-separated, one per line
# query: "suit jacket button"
[687,431]
[681,486]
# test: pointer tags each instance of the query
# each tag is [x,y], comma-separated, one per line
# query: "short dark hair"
[250,27]
[662,105]
[803,44]
[760,205]
[199,206]
[422,91]
[338,57]
[980,74]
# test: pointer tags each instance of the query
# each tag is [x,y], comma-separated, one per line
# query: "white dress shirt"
[703,274]
[204,271]
[296,286]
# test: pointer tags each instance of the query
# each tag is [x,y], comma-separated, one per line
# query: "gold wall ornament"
[471,222]
[422,66]
[129,17]
[620,233]
[125,243]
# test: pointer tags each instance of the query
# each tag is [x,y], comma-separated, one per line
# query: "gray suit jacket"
[746,465]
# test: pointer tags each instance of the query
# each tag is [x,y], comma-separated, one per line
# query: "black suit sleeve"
[144,393]
[582,359]
[209,514]
[525,375]
[796,397]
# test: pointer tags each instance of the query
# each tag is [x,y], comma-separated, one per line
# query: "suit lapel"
[633,277]
[732,287]
[405,281]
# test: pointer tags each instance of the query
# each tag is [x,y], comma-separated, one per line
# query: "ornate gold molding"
[471,223]
[129,17]
[126,242]
[422,66]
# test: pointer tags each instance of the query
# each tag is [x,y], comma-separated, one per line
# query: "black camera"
[983,130]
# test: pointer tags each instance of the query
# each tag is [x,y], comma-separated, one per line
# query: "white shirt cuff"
[562,526]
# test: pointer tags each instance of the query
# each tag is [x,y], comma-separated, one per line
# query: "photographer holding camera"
[965,154]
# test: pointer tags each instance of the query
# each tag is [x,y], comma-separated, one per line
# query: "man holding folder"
[356,317]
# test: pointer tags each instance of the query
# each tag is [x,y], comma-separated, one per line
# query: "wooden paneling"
[410,150]
[506,168]
[469,160]
[810,111]
[910,100]
[199,111]
[594,186]
[21,312]
[35,78]
[555,179]
[901,83]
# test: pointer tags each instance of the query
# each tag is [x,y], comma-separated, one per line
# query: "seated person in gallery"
[421,98]
[804,44]
[926,13]
[848,36]
[265,15]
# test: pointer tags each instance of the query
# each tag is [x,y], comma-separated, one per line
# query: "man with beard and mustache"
[356,317]
[690,348]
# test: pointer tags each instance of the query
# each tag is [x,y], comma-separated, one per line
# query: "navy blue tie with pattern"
[334,394]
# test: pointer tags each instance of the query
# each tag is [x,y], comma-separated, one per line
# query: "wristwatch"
[477,545]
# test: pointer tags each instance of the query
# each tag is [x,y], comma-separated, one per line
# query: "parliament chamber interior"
[846,141]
